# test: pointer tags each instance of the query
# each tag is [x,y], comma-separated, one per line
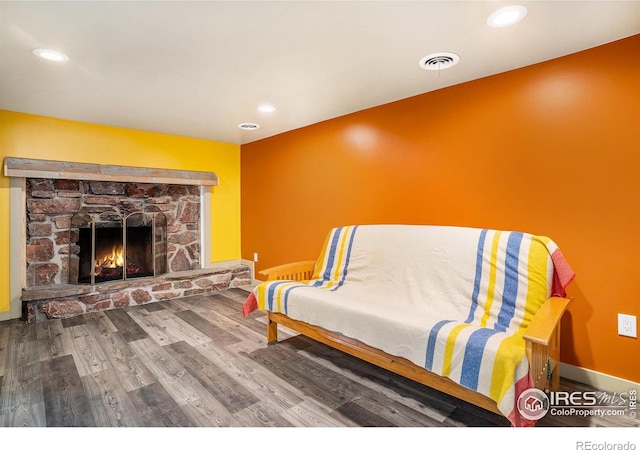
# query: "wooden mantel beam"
[40,168]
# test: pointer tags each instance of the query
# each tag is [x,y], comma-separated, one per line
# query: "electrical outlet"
[627,325]
[255,257]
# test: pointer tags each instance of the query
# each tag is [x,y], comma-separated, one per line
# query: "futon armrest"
[544,323]
[296,271]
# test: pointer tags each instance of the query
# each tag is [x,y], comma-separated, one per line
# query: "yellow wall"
[29,136]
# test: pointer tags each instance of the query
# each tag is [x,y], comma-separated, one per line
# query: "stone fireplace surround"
[55,190]
[51,203]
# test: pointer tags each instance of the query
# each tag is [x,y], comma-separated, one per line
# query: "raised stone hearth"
[68,300]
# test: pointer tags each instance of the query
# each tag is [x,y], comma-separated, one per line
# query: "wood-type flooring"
[197,362]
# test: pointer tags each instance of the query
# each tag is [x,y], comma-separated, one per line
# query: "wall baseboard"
[600,381]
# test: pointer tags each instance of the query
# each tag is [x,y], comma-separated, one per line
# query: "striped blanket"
[454,300]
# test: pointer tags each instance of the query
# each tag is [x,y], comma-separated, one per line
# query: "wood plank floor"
[197,362]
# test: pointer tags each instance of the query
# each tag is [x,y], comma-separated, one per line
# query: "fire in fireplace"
[111,247]
[109,261]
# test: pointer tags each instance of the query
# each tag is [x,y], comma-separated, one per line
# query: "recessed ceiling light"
[506,16]
[266,108]
[249,126]
[49,54]
[439,61]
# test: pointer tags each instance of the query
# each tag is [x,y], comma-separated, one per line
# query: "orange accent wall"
[551,149]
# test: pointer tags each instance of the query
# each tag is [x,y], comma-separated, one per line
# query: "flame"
[113,260]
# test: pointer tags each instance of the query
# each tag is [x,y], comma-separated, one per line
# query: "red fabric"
[516,419]
[250,305]
[563,274]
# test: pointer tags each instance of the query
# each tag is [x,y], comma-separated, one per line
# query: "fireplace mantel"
[40,168]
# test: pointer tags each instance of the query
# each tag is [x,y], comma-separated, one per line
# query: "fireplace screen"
[109,246]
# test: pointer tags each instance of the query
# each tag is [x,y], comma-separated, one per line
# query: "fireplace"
[108,246]
[90,232]
[65,215]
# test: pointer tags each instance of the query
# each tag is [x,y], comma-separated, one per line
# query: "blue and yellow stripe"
[333,263]
[330,272]
[503,283]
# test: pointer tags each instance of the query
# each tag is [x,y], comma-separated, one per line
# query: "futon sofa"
[472,312]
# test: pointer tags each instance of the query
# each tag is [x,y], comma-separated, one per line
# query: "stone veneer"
[63,301]
[50,203]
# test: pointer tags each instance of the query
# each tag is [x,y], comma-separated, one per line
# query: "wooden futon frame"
[542,339]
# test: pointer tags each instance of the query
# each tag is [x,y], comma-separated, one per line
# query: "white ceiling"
[199,68]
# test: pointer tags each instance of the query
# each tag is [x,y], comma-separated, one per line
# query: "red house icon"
[533,404]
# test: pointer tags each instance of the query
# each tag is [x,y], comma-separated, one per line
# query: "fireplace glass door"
[109,246]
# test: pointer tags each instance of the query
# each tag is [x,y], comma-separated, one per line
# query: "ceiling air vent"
[439,61]
[249,126]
